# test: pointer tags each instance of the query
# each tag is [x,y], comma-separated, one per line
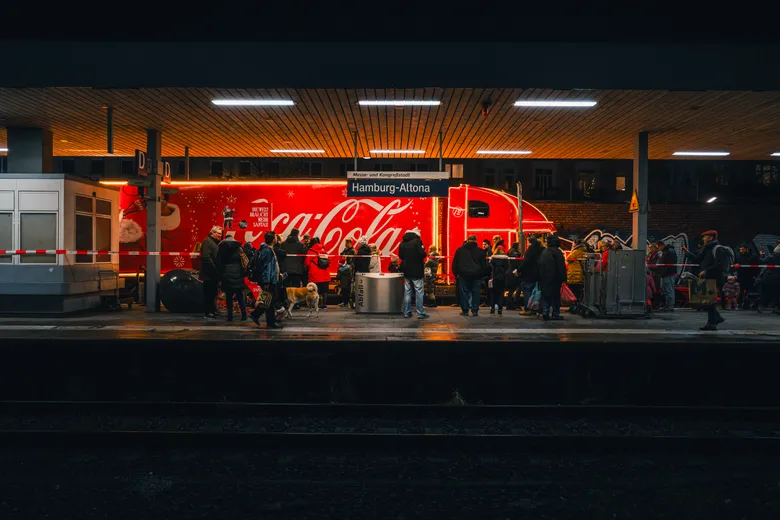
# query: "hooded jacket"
[316,273]
[709,264]
[412,255]
[470,261]
[208,259]
[499,264]
[574,263]
[267,266]
[231,272]
[362,264]
[292,246]
[552,269]
[529,269]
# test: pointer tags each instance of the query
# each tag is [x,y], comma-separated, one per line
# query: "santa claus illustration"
[132,226]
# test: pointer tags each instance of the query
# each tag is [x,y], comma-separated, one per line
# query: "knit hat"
[363,240]
[294,232]
[732,278]
[553,241]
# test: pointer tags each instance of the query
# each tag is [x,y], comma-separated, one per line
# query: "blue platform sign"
[398,188]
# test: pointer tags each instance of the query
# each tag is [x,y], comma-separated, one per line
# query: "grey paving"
[445,324]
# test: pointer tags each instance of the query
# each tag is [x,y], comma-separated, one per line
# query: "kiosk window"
[478,209]
[38,231]
[6,236]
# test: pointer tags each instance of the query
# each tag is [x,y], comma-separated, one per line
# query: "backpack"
[255,269]
[724,257]
[323,262]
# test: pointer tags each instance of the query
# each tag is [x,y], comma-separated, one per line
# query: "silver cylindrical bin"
[379,293]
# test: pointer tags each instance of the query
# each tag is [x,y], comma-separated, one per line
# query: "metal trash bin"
[618,292]
[379,293]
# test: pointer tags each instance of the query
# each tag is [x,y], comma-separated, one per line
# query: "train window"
[38,231]
[6,236]
[490,180]
[216,168]
[478,209]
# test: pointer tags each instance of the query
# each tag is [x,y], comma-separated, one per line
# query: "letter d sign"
[140,163]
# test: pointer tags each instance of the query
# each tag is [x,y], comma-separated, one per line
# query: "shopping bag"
[567,296]
[534,301]
[702,292]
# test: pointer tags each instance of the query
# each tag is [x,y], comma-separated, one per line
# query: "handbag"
[264,300]
[535,299]
[244,259]
[703,292]
[567,296]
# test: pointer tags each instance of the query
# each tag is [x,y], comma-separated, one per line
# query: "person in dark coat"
[499,264]
[346,272]
[364,253]
[710,268]
[209,274]
[488,248]
[746,276]
[267,277]
[231,274]
[281,258]
[552,274]
[294,264]
[470,266]
[528,272]
[512,279]
[431,272]
[668,274]
[770,282]
[412,255]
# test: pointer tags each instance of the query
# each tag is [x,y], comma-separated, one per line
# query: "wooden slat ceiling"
[746,124]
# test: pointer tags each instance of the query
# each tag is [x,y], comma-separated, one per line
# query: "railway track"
[390,427]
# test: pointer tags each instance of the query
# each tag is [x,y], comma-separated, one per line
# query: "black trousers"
[210,296]
[498,294]
[346,291]
[270,313]
[322,289]
[294,280]
[239,295]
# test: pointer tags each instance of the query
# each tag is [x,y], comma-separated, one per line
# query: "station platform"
[445,324]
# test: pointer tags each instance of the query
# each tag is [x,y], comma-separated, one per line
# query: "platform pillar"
[639,219]
[29,150]
[153,232]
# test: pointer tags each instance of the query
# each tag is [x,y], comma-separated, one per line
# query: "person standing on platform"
[574,268]
[470,266]
[512,279]
[488,248]
[711,267]
[668,273]
[412,255]
[552,274]
[499,265]
[281,258]
[266,273]
[431,273]
[529,272]
[209,274]
[374,264]
[294,264]
[318,270]
[346,272]
[770,283]
[746,276]
[363,261]
[230,265]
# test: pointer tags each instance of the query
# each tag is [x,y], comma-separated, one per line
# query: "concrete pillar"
[29,150]
[639,220]
[153,232]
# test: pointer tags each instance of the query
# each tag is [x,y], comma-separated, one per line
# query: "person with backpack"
[317,266]
[232,264]
[470,266]
[294,264]
[512,280]
[265,272]
[552,274]
[499,264]
[412,255]
[714,262]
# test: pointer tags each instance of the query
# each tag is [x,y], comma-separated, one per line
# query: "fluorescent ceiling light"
[711,200]
[776,154]
[297,151]
[366,158]
[702,154]
[398,103]
[252,102]
[527,103]
[3,149]
[397,151]
[503,152]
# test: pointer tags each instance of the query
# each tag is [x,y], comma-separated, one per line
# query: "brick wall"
[734,223]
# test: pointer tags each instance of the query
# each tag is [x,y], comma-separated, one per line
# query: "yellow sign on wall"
[634,206]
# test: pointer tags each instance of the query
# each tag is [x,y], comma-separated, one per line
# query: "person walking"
[470,266]
[499,265]
[746,276]
[294,264]
[668,273]
[512,279]
[231,264]
[346,272]
[552,274]
[529,272]
[574,268]
[412,255]
[318,269]
[266,273]
[712,266]
[208,272]
[431,272]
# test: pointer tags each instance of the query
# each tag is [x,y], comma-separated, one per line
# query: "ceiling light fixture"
[702,154]
[503,152]
[776,154]
[297,151]
[559,104]
[398,103]
[711,200]
[253,102]
[398,151]
[3,149]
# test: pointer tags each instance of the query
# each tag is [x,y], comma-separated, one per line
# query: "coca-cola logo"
[457,212]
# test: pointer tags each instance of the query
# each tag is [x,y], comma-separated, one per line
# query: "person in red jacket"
[317,265]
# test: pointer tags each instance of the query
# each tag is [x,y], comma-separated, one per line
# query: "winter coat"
[668,256]
[514,263]
[529,269]
[266,266]
[316,273]
[231,272]
[294,264]
[552,271]
[362,264]
[412,255]
[470,261]
[709,264]
[281,257]
[208,259]
[499,267]
[574,263]
[771,276]
[731,289]
[432,267]
[745,275]
[374,264]
[344,275]
[349,252]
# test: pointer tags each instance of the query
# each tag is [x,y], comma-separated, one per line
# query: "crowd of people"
[503,275]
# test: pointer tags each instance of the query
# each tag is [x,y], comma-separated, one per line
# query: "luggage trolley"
[618,292]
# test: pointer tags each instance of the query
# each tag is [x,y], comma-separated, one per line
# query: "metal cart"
[619,292]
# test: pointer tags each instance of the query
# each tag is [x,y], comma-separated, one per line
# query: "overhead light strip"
[398,151]
[398,103]
[555,104]
[297,151]
[776,154]
[3,149]
[252,102]
[503,152]
[701,154]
